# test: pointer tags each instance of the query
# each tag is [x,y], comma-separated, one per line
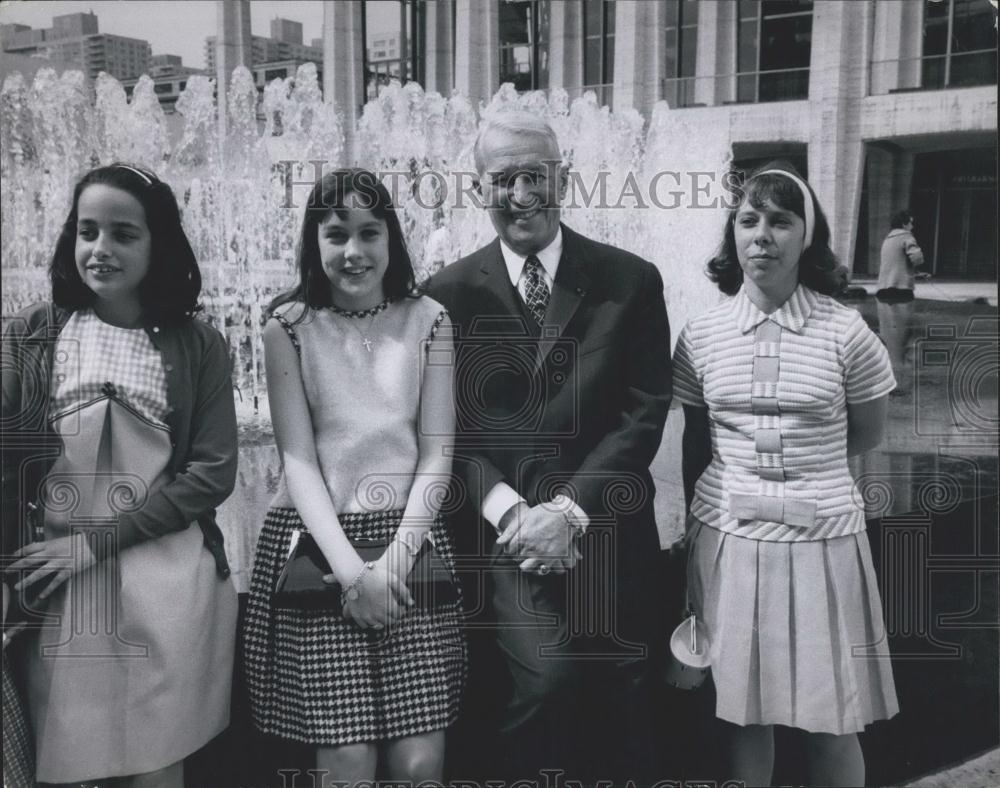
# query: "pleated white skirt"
[796,629]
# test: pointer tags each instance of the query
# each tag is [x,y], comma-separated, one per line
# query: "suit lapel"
[495,278]
[568,291]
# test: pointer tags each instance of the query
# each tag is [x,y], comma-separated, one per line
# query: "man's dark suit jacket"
[577,406]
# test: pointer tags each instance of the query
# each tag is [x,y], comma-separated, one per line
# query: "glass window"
[689,44]
[680,51]
[592,15]
[971,28]
[514,23]
[394,42]
[774,44]
[785,42]
[599,47]
[959,44]
[592,61]
[524,43]
[779,7]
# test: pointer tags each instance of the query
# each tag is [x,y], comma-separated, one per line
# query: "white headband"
[807,203]
[137,172]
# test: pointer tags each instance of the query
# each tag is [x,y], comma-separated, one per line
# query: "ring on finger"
[544,569]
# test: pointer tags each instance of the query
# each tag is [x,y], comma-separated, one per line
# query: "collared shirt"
[548,257]
[502,496]
[777,388]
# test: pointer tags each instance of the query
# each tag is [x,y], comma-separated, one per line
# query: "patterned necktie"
[536,292]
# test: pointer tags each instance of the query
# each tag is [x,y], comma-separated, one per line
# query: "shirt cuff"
[576,516]
[498,501]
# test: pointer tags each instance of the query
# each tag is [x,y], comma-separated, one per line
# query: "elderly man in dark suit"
[562,386]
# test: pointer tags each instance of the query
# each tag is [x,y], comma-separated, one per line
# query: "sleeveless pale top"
[364,406]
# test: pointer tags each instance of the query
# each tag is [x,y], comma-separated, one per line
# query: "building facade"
[75,38]
[883,104]
[169,75]
[383,62]
[284,44]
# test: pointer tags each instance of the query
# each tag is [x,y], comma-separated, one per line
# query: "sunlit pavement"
[981,772]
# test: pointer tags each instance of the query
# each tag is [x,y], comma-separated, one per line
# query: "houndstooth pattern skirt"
[18,752]
[317,678]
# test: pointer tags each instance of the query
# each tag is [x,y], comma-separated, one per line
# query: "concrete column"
[439,62]
[477,49]
[896,46]
[404,52]
[566,46]
[838,79]
[715,64]
[639,45]
[878,163]
[343,65]
[890,178]
[233,47]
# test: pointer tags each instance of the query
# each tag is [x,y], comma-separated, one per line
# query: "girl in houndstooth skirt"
[363,421]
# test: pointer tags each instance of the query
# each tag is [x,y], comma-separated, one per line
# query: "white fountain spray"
[234,192]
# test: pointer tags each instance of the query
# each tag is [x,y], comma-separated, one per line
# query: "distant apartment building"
[284,44]
[76,39]
[384,60]
[286,30]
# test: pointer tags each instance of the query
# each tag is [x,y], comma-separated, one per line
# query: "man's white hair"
[517,122]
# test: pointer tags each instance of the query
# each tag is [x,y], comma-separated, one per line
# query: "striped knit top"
[777,388]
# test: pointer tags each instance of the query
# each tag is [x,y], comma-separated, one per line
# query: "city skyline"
[157,20]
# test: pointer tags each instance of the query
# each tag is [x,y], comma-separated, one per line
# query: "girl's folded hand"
[54,560]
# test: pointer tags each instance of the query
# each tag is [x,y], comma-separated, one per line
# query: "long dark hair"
[818,265]
[328,196]
[170,290]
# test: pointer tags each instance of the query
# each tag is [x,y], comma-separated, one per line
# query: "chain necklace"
[366,340]
[372,314]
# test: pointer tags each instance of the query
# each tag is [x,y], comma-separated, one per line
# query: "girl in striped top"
[780,384]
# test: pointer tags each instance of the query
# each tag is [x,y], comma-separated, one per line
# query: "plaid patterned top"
[90,354]
[777,388]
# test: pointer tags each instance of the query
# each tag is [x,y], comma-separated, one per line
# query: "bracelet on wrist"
[574,526]
[408,544]
[352,592]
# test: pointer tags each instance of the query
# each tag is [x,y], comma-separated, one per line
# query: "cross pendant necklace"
[366,340]
[353,318]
